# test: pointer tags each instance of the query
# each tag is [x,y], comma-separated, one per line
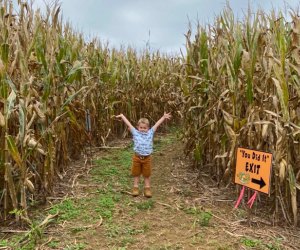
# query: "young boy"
[143,148]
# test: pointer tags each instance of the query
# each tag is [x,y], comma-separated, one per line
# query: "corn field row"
[243,91]
[238,85]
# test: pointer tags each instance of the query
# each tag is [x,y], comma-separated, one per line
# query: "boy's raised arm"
[161,120]
[125,120]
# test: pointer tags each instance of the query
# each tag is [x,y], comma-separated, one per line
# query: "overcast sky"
[158,23]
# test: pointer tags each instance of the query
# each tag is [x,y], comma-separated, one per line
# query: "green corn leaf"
[13,150]
[75,72]
[237,58]
[4,91]
[40,53]
[48,83]
[72,97]
[72,116]
[280,94]
[4,52]
[198,153]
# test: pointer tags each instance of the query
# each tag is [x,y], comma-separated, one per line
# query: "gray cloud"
[128,22]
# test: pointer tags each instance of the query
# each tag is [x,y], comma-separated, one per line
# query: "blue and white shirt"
[143,141]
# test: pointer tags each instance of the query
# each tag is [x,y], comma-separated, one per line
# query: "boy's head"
[143,125]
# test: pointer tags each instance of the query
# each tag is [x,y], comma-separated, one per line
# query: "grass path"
[94,210]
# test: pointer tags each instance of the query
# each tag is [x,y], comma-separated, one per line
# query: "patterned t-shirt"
[143,141]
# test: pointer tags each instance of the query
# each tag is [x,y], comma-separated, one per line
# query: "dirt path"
[187,210]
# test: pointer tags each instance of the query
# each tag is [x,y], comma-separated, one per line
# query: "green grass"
[145,205]
[258,244]
[105,206]
[160,142]
[3,243]
[53,244]
[26,241]
[250,242]
[123,234]
[114,169]
[67,210]
[202,218]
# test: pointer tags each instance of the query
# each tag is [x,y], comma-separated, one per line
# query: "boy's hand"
[125,120]
[119,117]
[167,116]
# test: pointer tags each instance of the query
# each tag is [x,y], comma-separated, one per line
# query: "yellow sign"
[253,169]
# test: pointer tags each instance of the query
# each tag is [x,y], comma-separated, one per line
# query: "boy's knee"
[136,171]
[146,171]
[146,175]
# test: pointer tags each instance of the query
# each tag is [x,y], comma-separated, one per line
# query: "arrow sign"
[260,182]
[253,169]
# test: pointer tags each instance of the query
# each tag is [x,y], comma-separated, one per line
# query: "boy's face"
[142,127]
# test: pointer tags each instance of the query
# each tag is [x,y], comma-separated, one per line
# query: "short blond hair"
[144,121]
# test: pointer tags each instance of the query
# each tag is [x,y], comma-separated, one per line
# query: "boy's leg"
[136,181]
[136,171]
[147,189]
[147,182]
[146,170]
[135,190]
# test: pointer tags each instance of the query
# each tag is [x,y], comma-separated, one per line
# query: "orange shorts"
[141,165]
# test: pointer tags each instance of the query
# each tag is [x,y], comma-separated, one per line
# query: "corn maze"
[237,85]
